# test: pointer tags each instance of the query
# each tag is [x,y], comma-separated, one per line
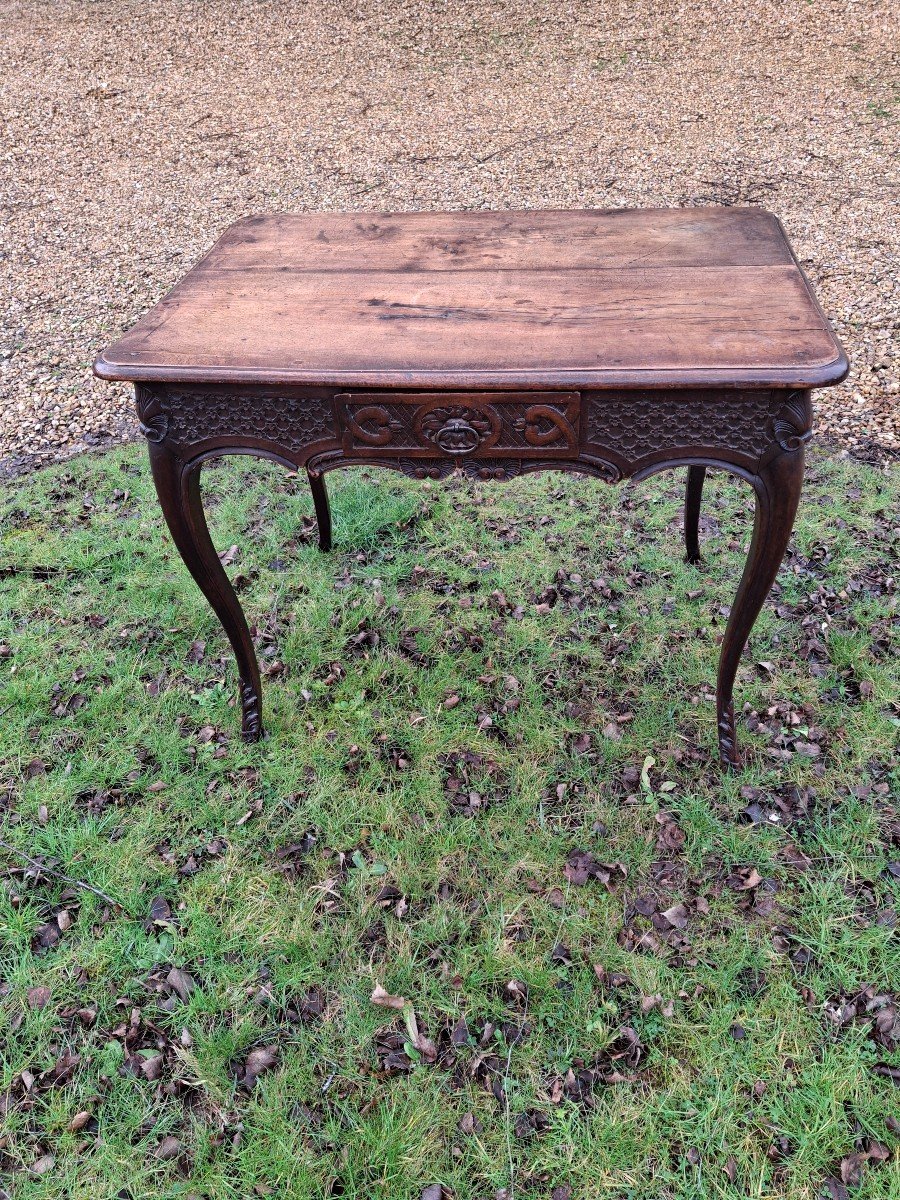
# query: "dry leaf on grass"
[385,999]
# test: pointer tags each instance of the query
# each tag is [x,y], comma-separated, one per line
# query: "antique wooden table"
[616,343]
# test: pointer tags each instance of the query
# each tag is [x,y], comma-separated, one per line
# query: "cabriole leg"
[692,498]
[322,507]
[777,487]
[178,488]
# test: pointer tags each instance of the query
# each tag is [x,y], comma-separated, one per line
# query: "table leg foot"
[178,488]
[251,712]
[728,751]
[777,488]
[322,507]
[692,498]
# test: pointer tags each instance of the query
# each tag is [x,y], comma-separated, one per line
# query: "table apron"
[615,433]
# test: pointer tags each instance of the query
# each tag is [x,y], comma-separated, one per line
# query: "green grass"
[382,836]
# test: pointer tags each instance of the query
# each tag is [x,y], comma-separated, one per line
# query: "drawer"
[459,424]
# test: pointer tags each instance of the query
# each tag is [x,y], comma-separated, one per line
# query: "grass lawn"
[489,795]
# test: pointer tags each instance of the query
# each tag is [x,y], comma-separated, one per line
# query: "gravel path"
[131,134]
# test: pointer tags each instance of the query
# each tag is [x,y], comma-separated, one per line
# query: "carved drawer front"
[459,424]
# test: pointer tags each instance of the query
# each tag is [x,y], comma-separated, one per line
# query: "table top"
[641,297]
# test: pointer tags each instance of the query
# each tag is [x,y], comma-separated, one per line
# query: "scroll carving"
[373,425]
[154,423]
[543,424]
[503,425]
[792,426]
[727,734]
[251,715]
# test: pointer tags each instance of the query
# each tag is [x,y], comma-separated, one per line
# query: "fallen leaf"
[151,1068]
[423,1044]
[181,983]
[645,773]
[677,916]
[260,1059]
[169,1147]
[836,1189]
[48,935]
[744,879]
[160,909]
[385,999]
[582,866]
[460,1035]
[197,652]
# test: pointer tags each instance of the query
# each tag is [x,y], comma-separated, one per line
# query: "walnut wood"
[777,489]
[692,498]
[613,344]
[539,239]
[480,424]
[178,488]
[553,299]
[322,508]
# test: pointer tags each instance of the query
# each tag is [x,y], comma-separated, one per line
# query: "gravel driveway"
[131,134]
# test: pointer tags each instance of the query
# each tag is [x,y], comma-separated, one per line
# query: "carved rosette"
[154,421]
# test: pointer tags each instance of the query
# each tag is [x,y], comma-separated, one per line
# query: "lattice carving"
[493,437]
[188,417]
[636,424]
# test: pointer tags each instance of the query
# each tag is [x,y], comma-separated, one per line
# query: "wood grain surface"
[670,297]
